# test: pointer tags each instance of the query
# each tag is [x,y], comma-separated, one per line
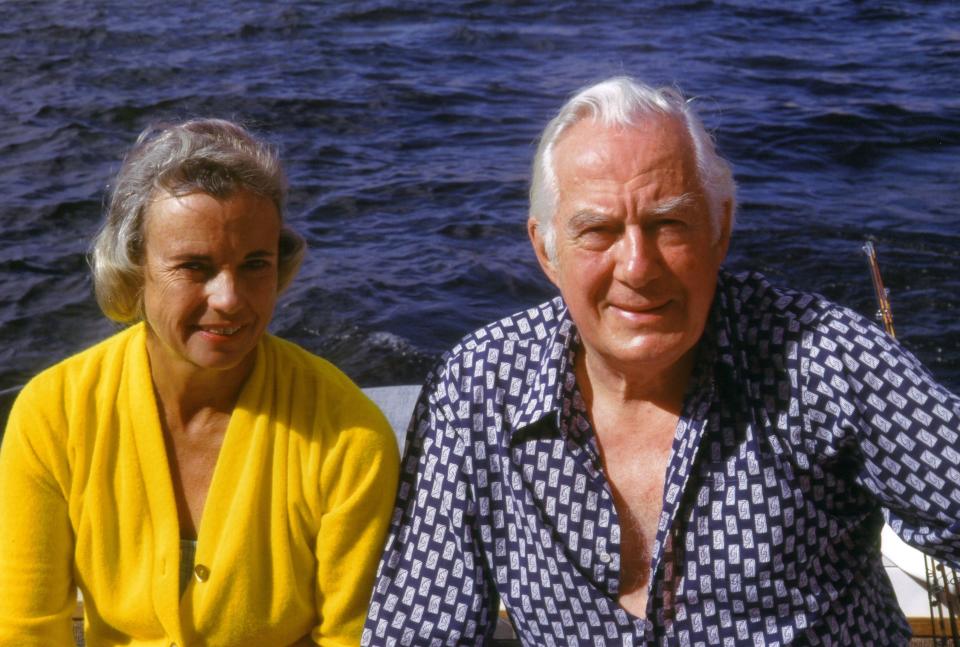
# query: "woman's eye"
[257,264]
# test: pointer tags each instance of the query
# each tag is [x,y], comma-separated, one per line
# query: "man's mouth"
[640,309]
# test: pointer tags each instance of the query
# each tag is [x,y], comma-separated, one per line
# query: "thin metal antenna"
[942,581]
[885,313]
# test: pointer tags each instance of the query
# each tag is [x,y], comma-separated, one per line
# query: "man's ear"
[539,242]
[726,230]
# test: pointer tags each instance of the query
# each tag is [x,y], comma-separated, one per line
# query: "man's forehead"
[642,126]
[658,140]
[616,156]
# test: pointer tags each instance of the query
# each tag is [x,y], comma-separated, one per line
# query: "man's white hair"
[623,101]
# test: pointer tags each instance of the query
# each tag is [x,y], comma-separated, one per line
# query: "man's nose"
[222,292]
[638,259]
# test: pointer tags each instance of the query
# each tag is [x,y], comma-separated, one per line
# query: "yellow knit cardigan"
[292,527]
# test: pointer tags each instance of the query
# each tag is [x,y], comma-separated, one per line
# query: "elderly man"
[666,454]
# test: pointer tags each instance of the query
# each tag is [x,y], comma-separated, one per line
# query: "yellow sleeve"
[358,480]
[36,538]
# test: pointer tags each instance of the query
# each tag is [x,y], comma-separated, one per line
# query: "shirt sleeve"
[906,427]
[432,587]
[358,478]
[36,539]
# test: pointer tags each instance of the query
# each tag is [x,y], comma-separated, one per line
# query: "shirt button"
[202,572]
[605,558]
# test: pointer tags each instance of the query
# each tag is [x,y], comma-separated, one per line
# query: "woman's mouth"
[221,331]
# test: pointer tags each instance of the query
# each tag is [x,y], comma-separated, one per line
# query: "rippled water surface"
[408,128]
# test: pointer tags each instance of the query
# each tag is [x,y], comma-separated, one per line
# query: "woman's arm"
[36,540]
[358,480]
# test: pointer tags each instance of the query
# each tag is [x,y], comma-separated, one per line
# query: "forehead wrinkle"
[586,217]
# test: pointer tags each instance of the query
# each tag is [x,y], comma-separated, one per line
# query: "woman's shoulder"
[79,373]
[326,390]
[52,414]
[299,364]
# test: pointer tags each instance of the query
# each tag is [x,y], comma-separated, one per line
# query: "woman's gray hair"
[623,101]
[211,156]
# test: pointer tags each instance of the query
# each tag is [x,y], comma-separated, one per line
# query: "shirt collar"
[554,380]
[728,352]
[550,395]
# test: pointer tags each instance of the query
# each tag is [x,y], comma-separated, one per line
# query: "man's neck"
[634,418]
[621,386]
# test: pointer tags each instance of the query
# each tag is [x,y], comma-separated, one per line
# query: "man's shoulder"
[751,296]
[751,293]
[533,326]
[502,361]
[756,310]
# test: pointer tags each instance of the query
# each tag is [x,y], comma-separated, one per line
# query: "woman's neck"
[184,390]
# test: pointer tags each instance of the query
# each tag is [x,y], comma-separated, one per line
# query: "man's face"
[636,256]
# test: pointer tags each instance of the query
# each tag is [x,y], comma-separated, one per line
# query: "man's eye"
[597,231]
[604,230]
[672,222]
[192,266]
[672,226]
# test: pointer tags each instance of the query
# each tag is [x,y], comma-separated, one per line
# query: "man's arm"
[908,433]
[431,586]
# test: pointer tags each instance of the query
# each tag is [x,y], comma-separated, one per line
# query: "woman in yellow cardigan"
[201,481]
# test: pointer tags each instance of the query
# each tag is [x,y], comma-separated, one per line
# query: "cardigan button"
[202,573]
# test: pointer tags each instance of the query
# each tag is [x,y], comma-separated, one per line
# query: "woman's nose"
[222,292]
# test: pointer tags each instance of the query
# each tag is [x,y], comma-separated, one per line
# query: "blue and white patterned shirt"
[804,425]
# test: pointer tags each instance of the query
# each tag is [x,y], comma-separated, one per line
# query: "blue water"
[408,128]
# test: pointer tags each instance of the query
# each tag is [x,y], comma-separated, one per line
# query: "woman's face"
[210,280]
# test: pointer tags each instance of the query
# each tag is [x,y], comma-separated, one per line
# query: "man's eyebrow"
[585,218]
[188,256]
[670,205]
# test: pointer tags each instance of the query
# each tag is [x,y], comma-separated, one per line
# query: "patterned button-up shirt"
[804,426]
